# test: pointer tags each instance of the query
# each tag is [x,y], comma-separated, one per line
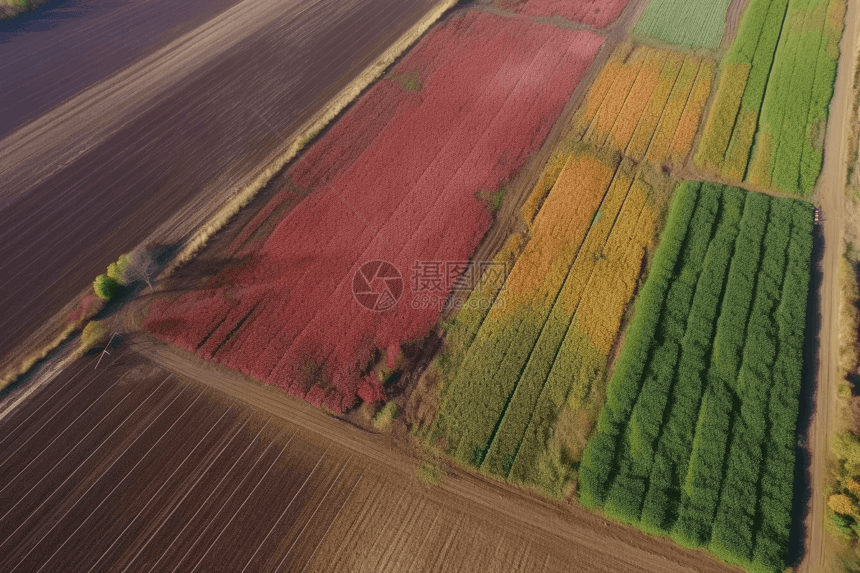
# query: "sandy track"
[832,196]
[149,152]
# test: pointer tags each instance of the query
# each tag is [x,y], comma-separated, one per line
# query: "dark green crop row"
[696,439]
[599,461]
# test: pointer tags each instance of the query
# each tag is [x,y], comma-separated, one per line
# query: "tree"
[106,287]
[840,503]
[140,266]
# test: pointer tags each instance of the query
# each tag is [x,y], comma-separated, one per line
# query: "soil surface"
[831,192]
[134,466]
[142,153]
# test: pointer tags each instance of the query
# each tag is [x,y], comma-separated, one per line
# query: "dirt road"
[150,151]
[832,195]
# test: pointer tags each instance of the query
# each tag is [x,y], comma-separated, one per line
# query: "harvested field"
[398,180]
[134,468]
[646,104]
[767,123]
[697,439]
[538,353]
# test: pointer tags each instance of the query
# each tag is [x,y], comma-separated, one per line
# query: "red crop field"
[396,179]
[594,13]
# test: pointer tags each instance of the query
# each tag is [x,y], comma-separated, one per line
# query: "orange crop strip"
[604,82]
[658,152]
[638,98]
[558,232]
[644,132]
[614,101]
[595,242]
[689,122]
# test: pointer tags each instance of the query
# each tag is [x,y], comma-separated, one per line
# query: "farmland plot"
[395,180]
[534,364]
[697,436]
[768,120]
[646,104]
[594,13]
[690,23]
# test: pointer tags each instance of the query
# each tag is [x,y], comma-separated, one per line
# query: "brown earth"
[135,466]
[831,192]
[151,151]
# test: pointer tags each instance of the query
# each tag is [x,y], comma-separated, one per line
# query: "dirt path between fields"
[832,197]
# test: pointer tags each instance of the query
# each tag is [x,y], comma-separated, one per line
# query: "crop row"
[768,119]
[690,23]
[646,104]
[695,439]
[564,300]
[395,180]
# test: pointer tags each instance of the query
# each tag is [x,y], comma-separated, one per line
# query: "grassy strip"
[733,527]
[723,353]
[660,509]
[768,121]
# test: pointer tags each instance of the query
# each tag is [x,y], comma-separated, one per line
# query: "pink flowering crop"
[594,13]
[396,179]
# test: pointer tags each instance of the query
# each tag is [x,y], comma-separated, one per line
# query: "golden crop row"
[646,103]
[557,233]
[616,274]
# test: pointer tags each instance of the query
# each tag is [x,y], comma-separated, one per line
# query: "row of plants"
[690,23]
[646,103]
[768,119]
[696,439]
[540,357]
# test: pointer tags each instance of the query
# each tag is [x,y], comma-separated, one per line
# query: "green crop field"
[697,436]
[768,120]
[691,23]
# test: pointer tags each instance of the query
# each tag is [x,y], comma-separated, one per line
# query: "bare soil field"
[47,59]
[133,467]
[145,153]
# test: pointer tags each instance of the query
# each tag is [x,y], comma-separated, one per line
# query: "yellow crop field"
[524,391]
[646,103]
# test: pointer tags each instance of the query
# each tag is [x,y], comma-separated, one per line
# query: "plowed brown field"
[137,467]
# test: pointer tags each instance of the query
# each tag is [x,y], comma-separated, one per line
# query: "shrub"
[106,287]
[383,419]
[93,334]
